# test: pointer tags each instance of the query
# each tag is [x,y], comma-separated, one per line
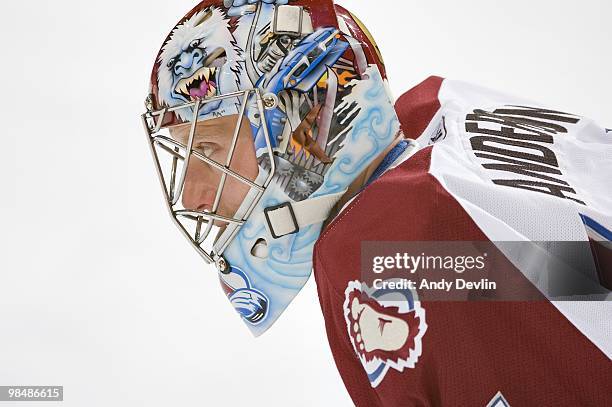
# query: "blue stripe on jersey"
[393,155]
[599,228]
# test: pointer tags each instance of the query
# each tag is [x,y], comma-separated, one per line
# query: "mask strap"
[289,218]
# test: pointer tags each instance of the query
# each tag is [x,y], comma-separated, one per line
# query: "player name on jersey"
[518,140]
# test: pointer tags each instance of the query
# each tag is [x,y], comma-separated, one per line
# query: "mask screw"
[149,103]
[270,101]
[222,265]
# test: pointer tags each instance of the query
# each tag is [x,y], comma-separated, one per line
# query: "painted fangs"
[182,87]
[203,74]
[211,91]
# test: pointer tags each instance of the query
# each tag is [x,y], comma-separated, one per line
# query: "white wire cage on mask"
[209,231]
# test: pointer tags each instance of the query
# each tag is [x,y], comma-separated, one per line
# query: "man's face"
[213,138]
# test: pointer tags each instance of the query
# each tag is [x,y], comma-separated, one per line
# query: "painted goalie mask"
[259,117]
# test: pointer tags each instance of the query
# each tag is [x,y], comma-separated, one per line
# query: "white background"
[99,292]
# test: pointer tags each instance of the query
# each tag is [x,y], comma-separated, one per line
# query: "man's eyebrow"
[204,136]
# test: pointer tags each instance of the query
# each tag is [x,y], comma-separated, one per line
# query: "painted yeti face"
[201,59]
[193,74]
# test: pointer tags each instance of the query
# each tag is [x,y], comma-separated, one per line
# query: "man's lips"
[207,207]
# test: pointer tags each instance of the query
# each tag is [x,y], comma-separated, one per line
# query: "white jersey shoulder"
[531,173]
[506,155]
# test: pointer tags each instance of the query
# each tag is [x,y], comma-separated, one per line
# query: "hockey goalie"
[279,151]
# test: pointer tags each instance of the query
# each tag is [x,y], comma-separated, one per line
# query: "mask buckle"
[279,217]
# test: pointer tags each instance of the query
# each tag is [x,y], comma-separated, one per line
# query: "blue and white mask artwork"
[260,116]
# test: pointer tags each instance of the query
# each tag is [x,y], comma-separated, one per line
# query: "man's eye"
[206,149]
[194,43]
[170,63]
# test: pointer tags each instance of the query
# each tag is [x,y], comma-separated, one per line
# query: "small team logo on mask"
[386,328]
[250,303]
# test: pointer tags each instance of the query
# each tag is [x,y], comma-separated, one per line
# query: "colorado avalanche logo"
[386,328]
[250,303]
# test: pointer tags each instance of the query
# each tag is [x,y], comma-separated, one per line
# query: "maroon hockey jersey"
[460,186]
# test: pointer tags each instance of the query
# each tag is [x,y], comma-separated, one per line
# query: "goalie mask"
[259,118]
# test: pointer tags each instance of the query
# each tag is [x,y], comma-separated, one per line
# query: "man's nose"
[198,191]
